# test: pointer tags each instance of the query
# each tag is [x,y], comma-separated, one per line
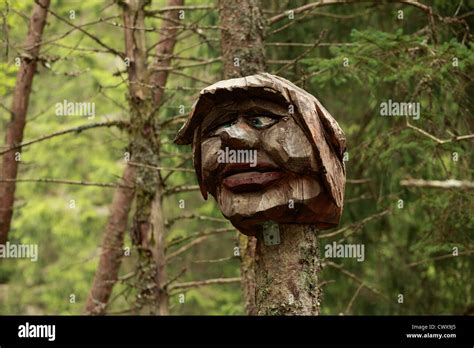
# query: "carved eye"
[261,121]
[222,126]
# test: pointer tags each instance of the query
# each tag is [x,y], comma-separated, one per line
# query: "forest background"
[352,56]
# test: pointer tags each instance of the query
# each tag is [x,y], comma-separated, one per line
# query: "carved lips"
[241,177]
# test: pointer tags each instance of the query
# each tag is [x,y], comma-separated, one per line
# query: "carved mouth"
[240,177]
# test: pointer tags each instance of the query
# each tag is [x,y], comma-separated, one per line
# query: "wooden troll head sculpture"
[267,151]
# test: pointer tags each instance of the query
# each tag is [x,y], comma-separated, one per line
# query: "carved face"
[267,151]
[258,163]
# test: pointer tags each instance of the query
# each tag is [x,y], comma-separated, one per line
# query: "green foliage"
[407,250]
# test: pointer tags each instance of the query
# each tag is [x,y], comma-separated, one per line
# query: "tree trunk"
[242,46]
[156,223]
[112,243]
[242,37]
[111,247]
[287,274]
[143,104]
[277,279]
[21,95]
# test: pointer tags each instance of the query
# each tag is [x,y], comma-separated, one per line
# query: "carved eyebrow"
[219,121]
[259,111]
[266,113]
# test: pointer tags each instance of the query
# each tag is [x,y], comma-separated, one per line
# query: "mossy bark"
[287,274]
[242,37]
[280,279]
[242,48]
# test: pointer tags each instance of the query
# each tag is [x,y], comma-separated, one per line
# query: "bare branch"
[184,8]
[195,65]
[358,181]
[355,225]
[173,120]
[194,78]
[446,184]
[196,235]
[308,7]
[351,302]
[442,257]
[218,260]
[354,277]
[437,140]
[93,37]
[194,216]
[303,44]
[186,247]
[79,129]
[302,55]
[199,283]
[68,182]
[136,164]
[172,280]
[181,189]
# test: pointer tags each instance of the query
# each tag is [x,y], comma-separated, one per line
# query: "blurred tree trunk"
[21,95]
[147,235]
[111,247]
[155,227]
[279,279]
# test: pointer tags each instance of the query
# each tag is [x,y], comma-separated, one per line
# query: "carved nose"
[239,135]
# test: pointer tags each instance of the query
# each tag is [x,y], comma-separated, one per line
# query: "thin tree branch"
[307,7]
[184,8]
[194,216]
[195,65]
[446,184]
[442,257]
[186,247]
[354,277]
[181,189]
[303,44]
[437,140]
[199,283]
[68,182]
[349,305]
[172,280]
[358,181]
[355,225]
[136,164]
[198,234]
[218,260]
[79,129]
[302,55]
[93,37]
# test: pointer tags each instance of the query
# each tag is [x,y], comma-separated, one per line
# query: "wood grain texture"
[313,153]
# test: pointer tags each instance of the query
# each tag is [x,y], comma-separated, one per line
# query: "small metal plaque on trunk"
[271,233]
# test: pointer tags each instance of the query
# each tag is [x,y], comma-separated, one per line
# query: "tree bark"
[287,274]
[242,37]
[112,243]
[21,95]
[156,225]
[111,247]
[279,279]
[242,47]
[144,148]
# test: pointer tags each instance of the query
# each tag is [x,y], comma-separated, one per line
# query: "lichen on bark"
[287,274]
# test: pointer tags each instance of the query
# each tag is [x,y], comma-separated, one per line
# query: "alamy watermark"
[28,330]
[67,108]
[393,108]
[237,156]
[19,251]
[336,250]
